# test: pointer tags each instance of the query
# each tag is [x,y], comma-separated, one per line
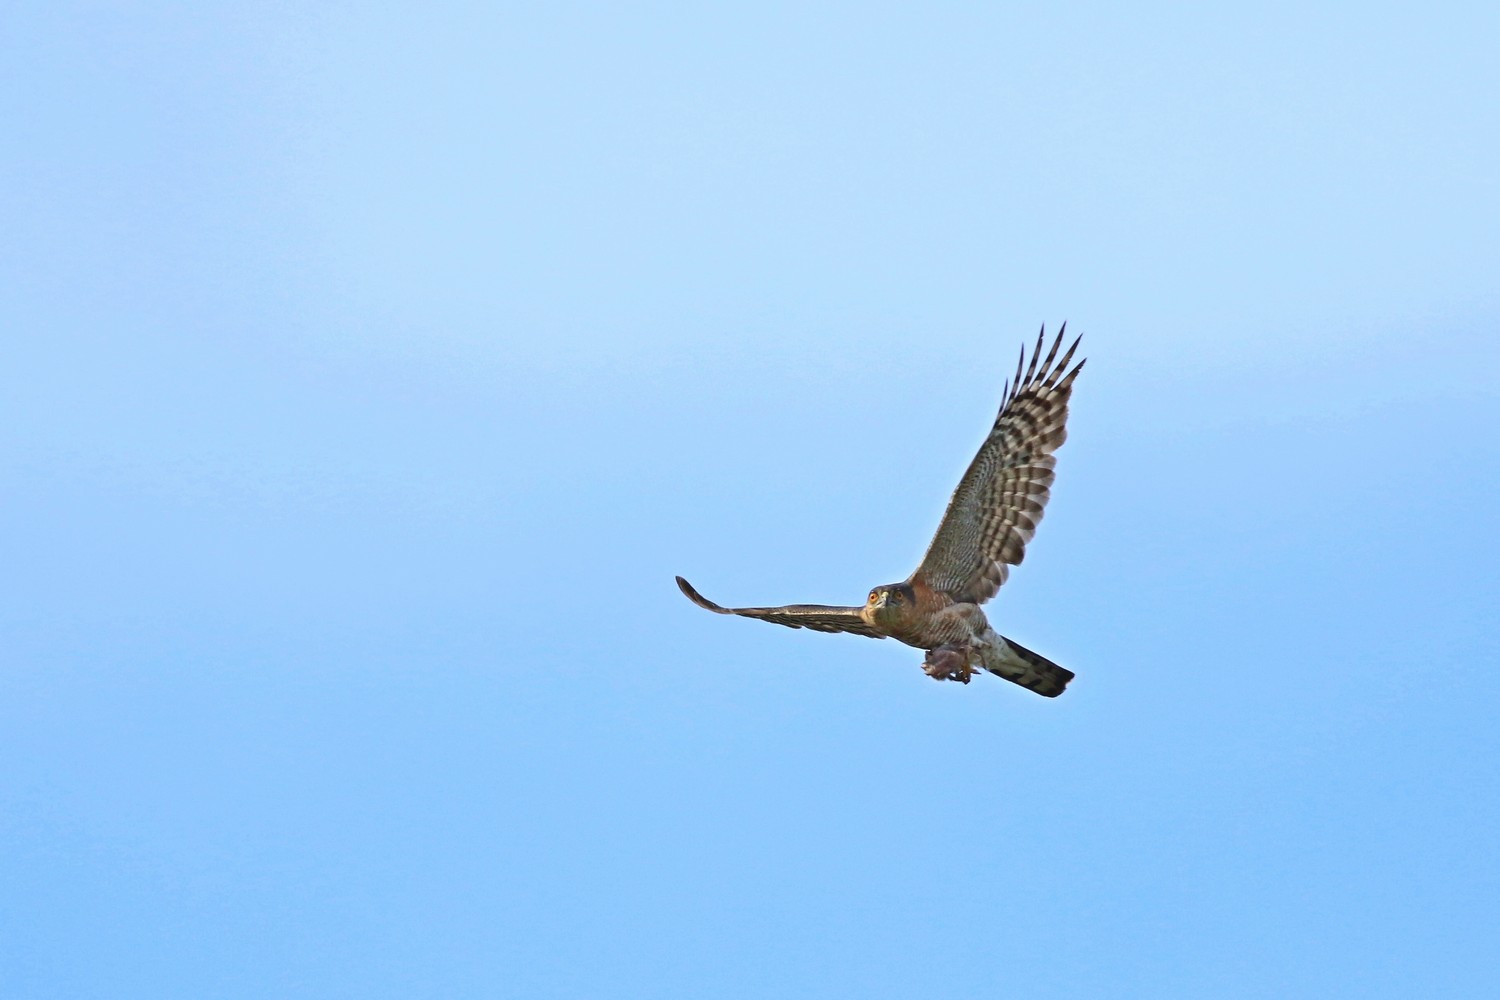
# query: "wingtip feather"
[699,599]
[1061,374]
[1035,354]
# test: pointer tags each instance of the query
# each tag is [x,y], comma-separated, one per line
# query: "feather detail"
[999,502]
[818,617]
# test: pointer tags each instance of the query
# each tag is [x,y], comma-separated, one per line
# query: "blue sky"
[369,371]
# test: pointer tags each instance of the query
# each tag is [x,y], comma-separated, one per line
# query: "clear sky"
[368,370]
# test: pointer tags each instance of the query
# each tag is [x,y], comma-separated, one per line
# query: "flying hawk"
[993,514]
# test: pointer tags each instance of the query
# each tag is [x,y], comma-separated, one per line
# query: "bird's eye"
[874,596]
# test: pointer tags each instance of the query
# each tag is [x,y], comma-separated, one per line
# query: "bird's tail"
[1004,658]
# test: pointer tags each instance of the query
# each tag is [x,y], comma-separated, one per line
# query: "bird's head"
[891,602]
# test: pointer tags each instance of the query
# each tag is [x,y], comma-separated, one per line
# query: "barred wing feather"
[999,502]
[818,617]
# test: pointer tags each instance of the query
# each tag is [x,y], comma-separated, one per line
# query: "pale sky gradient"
[370,369]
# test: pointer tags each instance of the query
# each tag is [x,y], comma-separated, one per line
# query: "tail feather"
[1008,659]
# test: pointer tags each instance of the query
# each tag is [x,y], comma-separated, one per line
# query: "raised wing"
[819,617]
[998,503]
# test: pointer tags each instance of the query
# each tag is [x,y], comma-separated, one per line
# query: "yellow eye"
[874,596]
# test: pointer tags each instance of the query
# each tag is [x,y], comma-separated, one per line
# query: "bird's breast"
[955,623]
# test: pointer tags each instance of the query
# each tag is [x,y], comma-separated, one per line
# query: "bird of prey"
[993,514]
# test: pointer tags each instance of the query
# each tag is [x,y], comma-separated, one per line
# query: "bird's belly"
[941,630]
[949,625]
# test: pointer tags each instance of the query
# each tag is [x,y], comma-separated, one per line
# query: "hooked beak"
[881,599]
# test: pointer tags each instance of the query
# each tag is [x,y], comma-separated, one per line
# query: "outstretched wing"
[995,510]
[819,617]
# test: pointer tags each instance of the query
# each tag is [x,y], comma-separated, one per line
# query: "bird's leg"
[948,662]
